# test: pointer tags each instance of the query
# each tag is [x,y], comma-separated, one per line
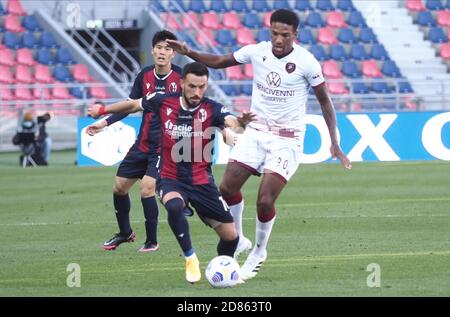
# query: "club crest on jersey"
[173,87]
[202,114]
[290,67]
[273,80]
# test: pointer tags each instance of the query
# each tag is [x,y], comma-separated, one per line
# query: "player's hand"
[94,111]
[229,136]
[96,127]
[245,118]
[179,47]
[336,152]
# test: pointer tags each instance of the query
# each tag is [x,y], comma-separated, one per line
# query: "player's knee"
[227,191]
[147,191]
[264,205]
[120,190]
[175,207]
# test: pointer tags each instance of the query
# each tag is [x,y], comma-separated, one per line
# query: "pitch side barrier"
[364,137]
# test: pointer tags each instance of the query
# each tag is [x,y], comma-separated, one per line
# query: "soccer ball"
[222,271]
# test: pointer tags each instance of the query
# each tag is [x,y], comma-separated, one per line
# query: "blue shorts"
[137,164]
[205,199]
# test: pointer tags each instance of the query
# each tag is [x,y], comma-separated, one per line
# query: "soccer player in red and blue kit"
[188,121]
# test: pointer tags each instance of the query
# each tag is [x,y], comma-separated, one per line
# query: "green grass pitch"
[331,225]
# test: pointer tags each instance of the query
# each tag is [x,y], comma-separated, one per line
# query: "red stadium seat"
[415,5]
[60,92]
[99,93]
[337,88]
[24,56]
[211,20]
[42,74]
[445,51]
[331,70]
[248,71]
[245,36]
[23,94]
[12,24]
[443,18]
[23,75]
[234,73]
[6,77]
[231,20]
[335,19]
[241,104]
[6,94]
[81,73]
[370,68]
[15,7]
[209,35]
[266,19]
[6,57]
[326,36]
[170,21]
[41,93]
[190,20]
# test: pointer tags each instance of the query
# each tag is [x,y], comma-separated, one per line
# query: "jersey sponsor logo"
[173,87]
[290,67]
[181,130]
[316,76]
[202,114]
[160,88]
[273,80]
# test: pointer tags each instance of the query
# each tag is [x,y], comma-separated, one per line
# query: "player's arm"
[210,60]
[127,106]
[239,123]
[330,118]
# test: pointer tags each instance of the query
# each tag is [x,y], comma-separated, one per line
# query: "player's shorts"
[206,200]
[259,151]
[137,164]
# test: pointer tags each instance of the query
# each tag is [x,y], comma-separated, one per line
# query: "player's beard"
[192,103]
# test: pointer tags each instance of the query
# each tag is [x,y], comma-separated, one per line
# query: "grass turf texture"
[331,225]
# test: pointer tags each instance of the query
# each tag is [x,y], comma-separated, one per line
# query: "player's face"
[282,37]
[162,54]
[194,88]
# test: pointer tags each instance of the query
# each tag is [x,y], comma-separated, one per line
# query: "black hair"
[99,102]
[162,36]
[195,68]
[285,16]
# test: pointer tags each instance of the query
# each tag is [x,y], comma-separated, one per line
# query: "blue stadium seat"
[358,52]
[185,35]
[79,92]
[378,52]
[247,89]
[351,69]
[337,52]
[2,11]
[381,87]
[263,35]
[319,52]
[346,36]
[315,20]
[251,20]
[303,5]
[434,5]
[47,40]
[230,90]
[447,6]
[324,5]
[173,7]
[45,56]
[356,19]
[360,88]
[261,6]
[198,6]
[11,40]
[239,6]
[305,36]
[29,40]
[62,73]
[281,4]
[437,35]
[225,37]
[30,23]
[404,87]
[345,5]
[367,36]
[390,69]
[218,6]
[216,74]
[425,18]
[64,57]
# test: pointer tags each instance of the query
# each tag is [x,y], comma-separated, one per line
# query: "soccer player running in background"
[188,122]
[141,161]
[271,145]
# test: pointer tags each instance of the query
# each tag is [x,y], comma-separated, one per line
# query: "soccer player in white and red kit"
[272,145]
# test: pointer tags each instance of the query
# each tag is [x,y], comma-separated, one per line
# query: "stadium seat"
[79,92]
[360,88]
[231,20]
[358,52]
[315,20]
[443,18]
[206,37]
[225,37]
[351,69]
[64,57]
[260,6]
[346,36]
[6,94]
[324,5]
[425,19]
[80,73]
[367,36]
[2,10]
[251,20]
[29,40]
[370,68]
[437,35]
[248,71]
[281,4]
[246,89]
[337,88]
[335,19]
[239,6]
[445,51]
[7,57]
[179,5]
[31,23]
[356,19]
[319,52]
[303,5]
[230,90]
[447,6]
[24,56]
[11,40]
[381,87]
[263,35]
[345,5]
[190,20]
[326,36]
[47,40]
[185,35]
[170,21]
[245,36]
[41,93]
[378,52]
[6,77]
[99,93]
[337,52]
[62,73]
[305,36]
[59,91]
[12,24]
[42,74]
[45,56]
[211,20]
[234,73]
[415,5]
[197,6]
[434,5]
[331,70]
[15,7]
[266,19]
[389,68]
[218,6]
[404,87]
[23,94]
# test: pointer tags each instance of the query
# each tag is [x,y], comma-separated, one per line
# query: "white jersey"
[280,86]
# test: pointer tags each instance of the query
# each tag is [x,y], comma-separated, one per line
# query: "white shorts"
[262,151]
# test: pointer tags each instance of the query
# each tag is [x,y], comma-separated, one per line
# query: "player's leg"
[151,212]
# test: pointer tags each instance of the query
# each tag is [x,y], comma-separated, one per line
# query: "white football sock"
[236,212]
[263,230]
